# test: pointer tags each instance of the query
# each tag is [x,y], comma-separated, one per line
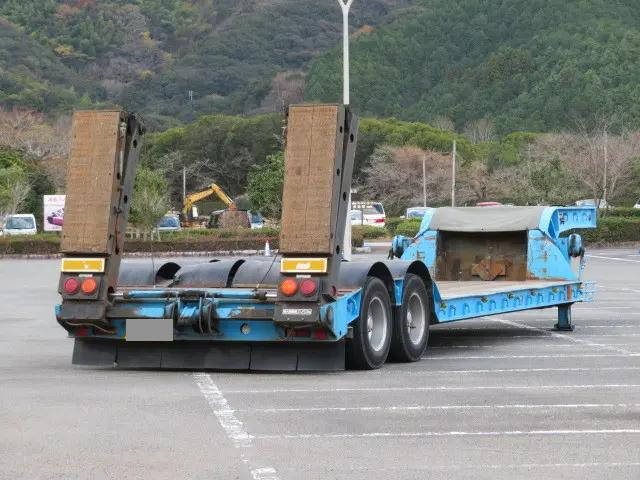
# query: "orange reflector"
[289,287]
[83,265]
[303,265]
[89,285]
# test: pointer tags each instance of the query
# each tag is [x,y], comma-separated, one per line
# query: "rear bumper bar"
[211,355]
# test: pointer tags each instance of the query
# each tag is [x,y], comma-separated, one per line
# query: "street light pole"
[345,5]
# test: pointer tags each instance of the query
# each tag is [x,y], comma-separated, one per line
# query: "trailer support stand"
[564,318]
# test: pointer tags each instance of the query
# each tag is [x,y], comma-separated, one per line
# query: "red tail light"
[320,334]
[379,220]
[308,287]
[71,286]
[89,285]
[289,287]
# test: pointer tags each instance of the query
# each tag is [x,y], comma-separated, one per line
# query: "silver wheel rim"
[376,324]
[416,318]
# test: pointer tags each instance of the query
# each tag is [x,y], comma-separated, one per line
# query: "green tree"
[265,186]
[150,199]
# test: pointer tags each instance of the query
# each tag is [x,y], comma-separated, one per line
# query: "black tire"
[411,326]
[369,347]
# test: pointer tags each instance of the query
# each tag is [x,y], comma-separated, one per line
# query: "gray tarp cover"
[486,219]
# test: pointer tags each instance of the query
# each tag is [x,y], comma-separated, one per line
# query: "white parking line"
[563,336]
[442,408]
[544,345]
[416,370]
[617,259]
[230,424]
[628,431]
[512,466]
[439,334]
[553,355]
[430,389]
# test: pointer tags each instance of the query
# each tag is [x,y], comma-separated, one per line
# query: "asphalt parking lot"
[497,398]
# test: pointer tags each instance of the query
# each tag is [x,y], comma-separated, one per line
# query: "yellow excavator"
[213,189]
[231,217]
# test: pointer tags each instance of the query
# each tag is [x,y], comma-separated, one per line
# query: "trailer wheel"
[369,347]
[411,327]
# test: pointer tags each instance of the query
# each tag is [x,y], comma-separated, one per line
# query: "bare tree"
[27,130]
[443,123]
[14,190]
[480,131]
[394,176]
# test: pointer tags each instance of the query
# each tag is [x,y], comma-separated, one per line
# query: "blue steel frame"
[234,309]
[548,258]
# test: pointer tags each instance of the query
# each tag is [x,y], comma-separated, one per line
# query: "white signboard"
[53,212]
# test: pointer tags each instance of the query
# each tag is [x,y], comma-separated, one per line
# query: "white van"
[20,224]
[367,213]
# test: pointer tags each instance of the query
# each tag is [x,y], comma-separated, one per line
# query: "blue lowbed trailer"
[306,309]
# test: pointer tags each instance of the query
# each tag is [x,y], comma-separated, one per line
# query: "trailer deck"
[308,309]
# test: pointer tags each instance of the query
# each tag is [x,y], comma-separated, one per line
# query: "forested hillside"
[525,64]
[171,59]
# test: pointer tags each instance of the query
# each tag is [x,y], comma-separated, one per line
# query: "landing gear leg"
[564,318]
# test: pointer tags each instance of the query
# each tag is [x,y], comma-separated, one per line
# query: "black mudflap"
[210,355]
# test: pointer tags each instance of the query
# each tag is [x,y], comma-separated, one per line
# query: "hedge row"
[368,231]
[613,230]
[621,212]
[170,242]
[184,241]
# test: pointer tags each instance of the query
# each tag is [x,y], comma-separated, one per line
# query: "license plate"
[149,330]
[297,311]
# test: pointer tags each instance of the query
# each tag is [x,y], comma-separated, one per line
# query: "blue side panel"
[344,311]
[555,220]
[545,260]
[462,308]
[425,248]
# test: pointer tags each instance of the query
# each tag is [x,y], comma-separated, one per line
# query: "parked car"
[590,202]
[256,219]
[637,205]
[56,218]
[169,223]
[371,213]
[417,212]
[20,224]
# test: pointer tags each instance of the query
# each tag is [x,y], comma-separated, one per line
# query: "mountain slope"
[234,56]
[526,64]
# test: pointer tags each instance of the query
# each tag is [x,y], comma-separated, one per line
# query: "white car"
[417,212]
[637,205]
[589,202]
[169,223]
[367,213]
[20,224]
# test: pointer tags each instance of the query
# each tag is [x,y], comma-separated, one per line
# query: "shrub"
[409,228]
[622,212]
[392,223]
[368,231]
[357,239]
[613,230]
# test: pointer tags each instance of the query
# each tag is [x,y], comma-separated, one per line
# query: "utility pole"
[606,167]
[184,185]
[424,179]
[453,174]
[345,5]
